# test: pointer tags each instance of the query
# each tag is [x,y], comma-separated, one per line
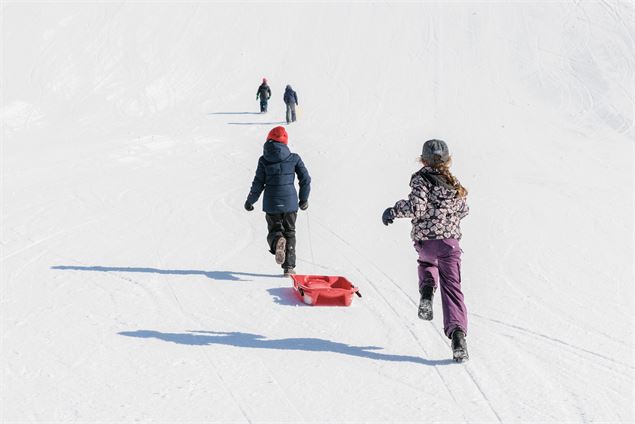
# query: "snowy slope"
[136,288]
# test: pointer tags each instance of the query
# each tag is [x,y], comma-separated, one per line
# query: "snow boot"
[289,271]
[281,247]
[425,304]
[459,346]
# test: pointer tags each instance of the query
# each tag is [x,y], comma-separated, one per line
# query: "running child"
[276,172]
[436,205]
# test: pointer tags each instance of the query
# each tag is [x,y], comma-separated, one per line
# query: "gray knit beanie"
[435,152]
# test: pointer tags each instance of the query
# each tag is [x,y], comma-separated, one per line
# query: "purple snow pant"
[440,267]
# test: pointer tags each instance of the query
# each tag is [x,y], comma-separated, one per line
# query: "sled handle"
[358,293]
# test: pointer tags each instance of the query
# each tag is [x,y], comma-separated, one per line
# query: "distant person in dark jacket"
[264,93]
[291,100]
[276,172]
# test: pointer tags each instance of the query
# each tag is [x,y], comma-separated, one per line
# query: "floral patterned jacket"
[434,206]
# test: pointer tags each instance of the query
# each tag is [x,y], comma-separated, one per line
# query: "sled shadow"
[234,113]
[214,275]
[257,123]
[285,296]
[255,341]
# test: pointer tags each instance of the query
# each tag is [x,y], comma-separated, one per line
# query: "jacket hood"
[434,179]
[288,88]
[274,151]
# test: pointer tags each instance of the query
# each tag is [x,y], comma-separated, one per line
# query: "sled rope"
[308,226]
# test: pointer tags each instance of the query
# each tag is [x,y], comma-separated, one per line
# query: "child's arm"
[464,209]
[417,202]
[258,184]
[415,205]
[304,179]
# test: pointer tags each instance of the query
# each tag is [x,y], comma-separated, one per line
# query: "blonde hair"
[444,170]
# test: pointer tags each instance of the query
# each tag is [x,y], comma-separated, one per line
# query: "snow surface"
[136,288]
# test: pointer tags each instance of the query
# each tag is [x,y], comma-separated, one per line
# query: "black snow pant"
[290,112]
[282,225]
[263,105]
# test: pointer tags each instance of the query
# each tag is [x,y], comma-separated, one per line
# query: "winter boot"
[425,304]
[281,247]
[459,346]
[289,271]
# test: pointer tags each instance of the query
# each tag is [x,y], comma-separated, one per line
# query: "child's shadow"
[256,341]
[214,275]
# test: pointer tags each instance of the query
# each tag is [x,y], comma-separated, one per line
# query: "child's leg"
[275,227]
[289,233]
[428,270]
[454,310]
[288,114]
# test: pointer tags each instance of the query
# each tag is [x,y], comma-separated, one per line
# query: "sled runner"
[324,290]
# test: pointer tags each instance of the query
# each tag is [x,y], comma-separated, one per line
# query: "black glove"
[388,216]
[249,206]
[304,205]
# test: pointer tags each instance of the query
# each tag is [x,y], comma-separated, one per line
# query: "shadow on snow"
[285,296]
[234,113]
[255,341]
[257,123]
[214,275]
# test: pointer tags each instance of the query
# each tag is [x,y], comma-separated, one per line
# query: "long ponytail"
[444,169]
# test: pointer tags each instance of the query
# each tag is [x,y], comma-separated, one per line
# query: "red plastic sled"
[324,289]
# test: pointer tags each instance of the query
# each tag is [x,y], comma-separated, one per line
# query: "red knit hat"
[278,134]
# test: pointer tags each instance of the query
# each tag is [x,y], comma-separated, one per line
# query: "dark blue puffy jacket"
[290,96]
[275,175]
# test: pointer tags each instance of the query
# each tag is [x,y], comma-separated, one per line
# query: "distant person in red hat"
[277,168]
[264,94]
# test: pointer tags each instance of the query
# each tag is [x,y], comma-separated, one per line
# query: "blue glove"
[249,206]
[388,216]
